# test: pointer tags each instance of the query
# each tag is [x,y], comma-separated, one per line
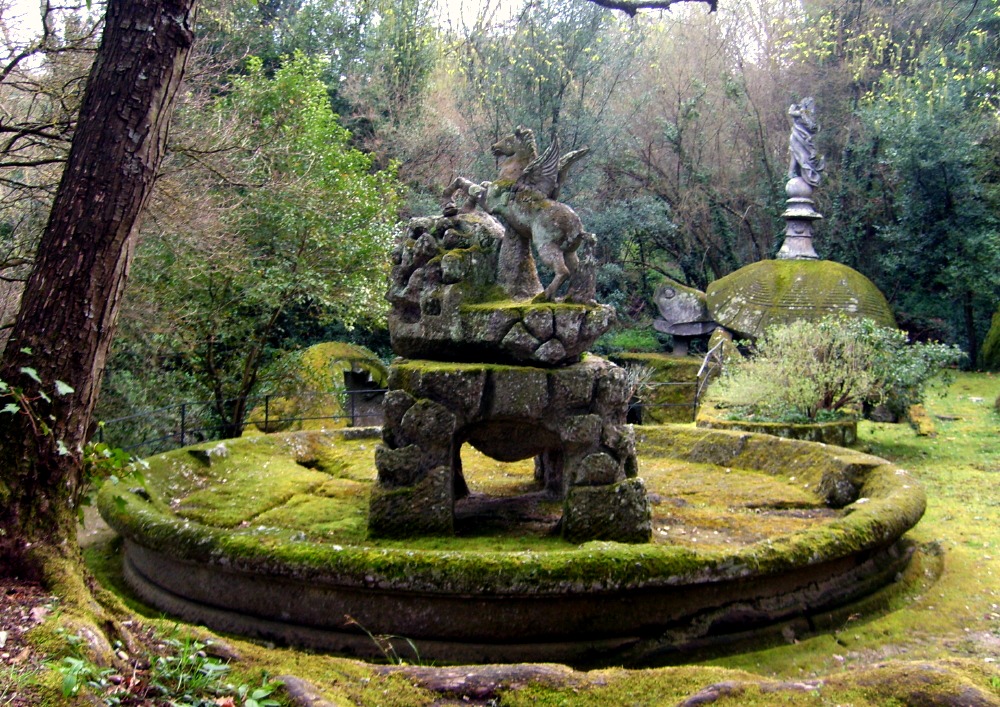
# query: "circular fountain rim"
[184,567]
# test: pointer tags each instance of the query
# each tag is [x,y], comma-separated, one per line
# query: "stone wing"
[565,162]
[542,173]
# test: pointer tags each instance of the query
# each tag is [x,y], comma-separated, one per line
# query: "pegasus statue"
[524,195]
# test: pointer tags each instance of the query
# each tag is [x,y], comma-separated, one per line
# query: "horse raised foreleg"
[460,184]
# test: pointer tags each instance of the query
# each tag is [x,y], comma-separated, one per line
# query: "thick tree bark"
[70,304]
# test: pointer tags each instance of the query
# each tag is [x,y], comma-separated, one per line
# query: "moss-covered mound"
[773,292]
[989,354]
[321,379]
[266,536]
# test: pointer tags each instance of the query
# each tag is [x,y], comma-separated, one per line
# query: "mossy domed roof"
[772,292]
[989,354]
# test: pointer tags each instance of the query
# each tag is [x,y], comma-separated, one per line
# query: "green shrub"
[636,340]
[815,371]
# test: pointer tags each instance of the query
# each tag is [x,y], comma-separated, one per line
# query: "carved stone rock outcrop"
[459,290]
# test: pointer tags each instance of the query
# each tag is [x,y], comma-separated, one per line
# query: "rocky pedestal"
[461,290]
[572,418]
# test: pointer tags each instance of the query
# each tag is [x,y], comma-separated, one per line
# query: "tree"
[55,357]
[41,82]
[288,220]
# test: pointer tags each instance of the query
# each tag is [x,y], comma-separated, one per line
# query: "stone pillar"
[799,216]
[573,418]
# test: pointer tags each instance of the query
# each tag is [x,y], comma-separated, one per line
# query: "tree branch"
[631,7]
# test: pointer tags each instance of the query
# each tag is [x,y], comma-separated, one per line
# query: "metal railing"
[179,424]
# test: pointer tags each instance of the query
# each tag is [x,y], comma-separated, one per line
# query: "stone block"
[540,323]
[582,429]
[395,403]
[551,352]
[613,394]
[519,342]
[620,439]
[619,513]
[568,322]
[453,266]
[398,467]
[573,388]
[459,388]
[425,508]
[519,392]
[597,469]
[428,424]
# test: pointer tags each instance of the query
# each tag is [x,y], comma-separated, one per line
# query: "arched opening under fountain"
[522,492]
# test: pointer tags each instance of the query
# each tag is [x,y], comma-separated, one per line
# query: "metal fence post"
[267,413]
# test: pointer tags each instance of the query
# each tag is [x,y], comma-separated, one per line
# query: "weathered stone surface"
[567,418]
[582,429]
[450,302]
[398,467]
[573,387]
[683,310]
[772,292]
[394,406]
[620,513]
[551,352]
[427,422]
[520,342]
[539,323]
[519,392]
[425,508]
[597,470]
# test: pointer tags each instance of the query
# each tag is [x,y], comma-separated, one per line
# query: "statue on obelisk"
[805,170]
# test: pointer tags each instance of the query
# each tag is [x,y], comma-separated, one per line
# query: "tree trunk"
[70,305]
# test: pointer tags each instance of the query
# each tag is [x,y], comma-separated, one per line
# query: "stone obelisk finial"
[804,172]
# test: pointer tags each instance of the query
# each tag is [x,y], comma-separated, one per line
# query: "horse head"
[520,143]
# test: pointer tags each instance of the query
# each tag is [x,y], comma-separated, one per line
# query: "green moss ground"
[939,638]
[959,614]
[311,486]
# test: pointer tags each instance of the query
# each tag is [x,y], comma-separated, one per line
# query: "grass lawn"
[935,642]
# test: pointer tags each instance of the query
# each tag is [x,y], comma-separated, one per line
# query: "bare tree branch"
[631,7]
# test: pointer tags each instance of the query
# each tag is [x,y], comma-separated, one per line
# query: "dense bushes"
[813,371]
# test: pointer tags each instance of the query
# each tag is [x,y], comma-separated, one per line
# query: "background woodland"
[308,130]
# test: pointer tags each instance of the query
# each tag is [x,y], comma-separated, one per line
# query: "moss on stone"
[673,386]
[773,292]
[843,433]
[314,388]
[289,536]
[989,353]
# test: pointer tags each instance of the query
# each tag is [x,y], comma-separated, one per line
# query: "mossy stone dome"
[775,292]
[989,354]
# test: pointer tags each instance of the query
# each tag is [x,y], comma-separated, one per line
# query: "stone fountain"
[276,538]
[491,360]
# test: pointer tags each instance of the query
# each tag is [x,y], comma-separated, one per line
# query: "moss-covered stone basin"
[843,433]
[265,536]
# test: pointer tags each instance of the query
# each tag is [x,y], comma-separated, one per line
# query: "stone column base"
[572,418]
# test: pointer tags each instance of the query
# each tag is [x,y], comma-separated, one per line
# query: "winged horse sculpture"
[524,195]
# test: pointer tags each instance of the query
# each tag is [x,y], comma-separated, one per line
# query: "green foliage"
[639,339]
[815,371]
[293,224]
[181,673]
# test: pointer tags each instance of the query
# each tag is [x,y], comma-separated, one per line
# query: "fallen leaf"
[38,614]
